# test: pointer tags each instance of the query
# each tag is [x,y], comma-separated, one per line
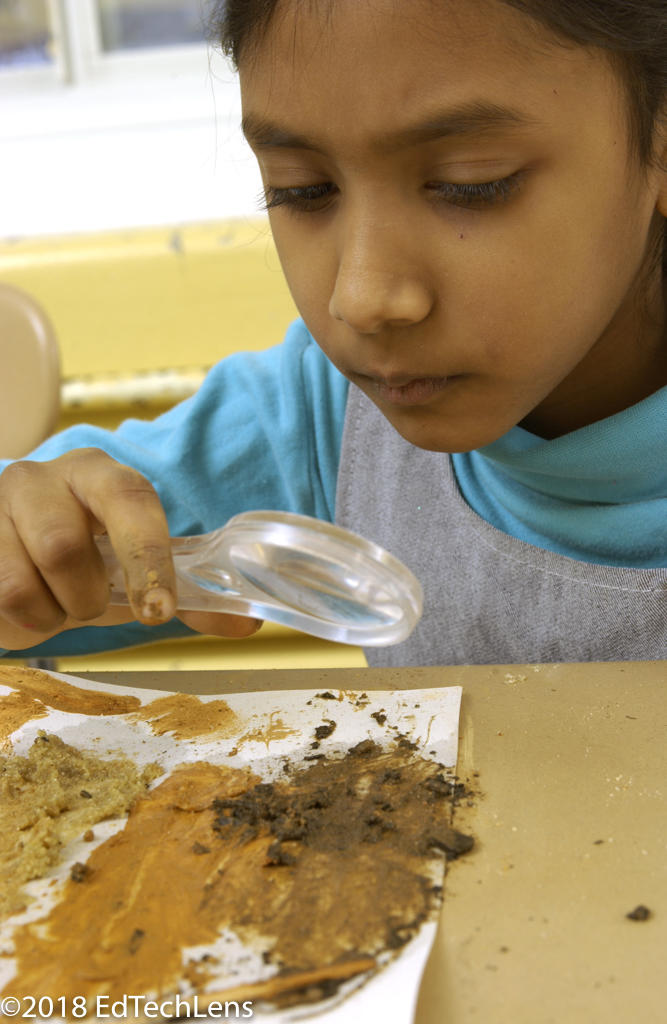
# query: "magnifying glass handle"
[201,584]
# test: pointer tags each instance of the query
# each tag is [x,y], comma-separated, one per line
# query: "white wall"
[135,149]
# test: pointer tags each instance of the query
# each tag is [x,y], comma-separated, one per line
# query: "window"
[148,23]
[26,37]
[116,113]
[76,37]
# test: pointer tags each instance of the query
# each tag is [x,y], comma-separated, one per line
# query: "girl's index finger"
[148,570]
[126,506]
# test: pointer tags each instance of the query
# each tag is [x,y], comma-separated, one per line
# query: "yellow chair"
[29,374]
[29,382]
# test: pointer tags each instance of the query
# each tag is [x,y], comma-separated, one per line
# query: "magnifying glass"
[296,570]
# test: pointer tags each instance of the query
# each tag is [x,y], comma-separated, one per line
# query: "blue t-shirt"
[264,432]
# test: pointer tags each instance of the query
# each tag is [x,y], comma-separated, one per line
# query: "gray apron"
[488,598]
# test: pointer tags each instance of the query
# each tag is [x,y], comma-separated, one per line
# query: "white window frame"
[84,58]
[182,98]
[80,57]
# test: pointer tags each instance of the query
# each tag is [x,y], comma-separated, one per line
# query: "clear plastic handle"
[295,570]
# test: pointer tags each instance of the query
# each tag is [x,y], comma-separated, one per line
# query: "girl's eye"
[313,198]
[477,196]
[306,198]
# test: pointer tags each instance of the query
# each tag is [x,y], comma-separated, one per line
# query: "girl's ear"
[661,163]
[662,201]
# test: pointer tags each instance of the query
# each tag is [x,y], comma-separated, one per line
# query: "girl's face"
[458,215]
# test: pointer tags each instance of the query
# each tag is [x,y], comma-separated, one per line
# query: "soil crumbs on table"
[318,873]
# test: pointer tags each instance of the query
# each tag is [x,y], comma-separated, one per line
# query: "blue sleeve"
[263,431]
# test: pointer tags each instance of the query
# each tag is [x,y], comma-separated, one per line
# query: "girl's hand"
[52,576]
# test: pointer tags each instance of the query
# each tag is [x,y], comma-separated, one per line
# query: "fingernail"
[158,605]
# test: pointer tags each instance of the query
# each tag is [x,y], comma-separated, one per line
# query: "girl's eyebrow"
[476,118]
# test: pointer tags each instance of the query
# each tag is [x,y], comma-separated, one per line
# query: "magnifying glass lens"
[317,586]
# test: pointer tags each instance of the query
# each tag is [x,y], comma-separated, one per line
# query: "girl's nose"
[378,284]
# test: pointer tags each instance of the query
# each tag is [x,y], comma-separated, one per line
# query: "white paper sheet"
[272,726]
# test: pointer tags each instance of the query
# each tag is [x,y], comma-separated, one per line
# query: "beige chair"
[29,382]
[29,374]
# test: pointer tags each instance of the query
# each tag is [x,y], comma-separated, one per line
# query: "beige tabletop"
[569,766]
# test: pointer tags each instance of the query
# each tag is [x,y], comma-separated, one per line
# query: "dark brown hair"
[632,33]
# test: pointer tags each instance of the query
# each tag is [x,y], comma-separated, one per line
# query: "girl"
[468,200]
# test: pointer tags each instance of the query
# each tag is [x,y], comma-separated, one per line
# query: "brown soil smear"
[328,868]
[50,797]
[62,696]
[347,852]
[120,929]
[15,710]
[274,729]
[187,717]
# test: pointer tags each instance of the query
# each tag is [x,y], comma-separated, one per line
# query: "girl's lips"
[413,392]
